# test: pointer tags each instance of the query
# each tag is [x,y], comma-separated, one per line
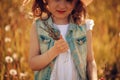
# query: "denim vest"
[76,39]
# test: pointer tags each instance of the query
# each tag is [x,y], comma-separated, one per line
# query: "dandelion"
[23,75]
[7,27]
[8,59]
[7,39]
[13,72]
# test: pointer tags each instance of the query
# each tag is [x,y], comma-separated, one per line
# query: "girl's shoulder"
[89,24]
[38,20]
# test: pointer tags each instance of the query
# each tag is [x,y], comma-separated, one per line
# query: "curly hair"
[39,7]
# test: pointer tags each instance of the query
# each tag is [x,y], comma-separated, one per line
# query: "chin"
[61,17]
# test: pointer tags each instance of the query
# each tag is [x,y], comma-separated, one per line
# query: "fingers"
[60,41]
[62,50]
[61,45]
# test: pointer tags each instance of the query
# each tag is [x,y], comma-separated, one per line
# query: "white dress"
[64,68]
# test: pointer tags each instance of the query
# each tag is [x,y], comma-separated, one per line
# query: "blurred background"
[15,25]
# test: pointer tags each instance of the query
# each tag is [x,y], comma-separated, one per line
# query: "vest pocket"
[44,43]
[44,39]
[81,45]
[81,40]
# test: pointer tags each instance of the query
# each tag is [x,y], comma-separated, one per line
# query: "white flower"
[22,75]
[8,59]
[7,39]
[13,72]
[7,27]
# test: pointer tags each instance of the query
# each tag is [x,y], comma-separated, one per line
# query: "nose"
[62,4]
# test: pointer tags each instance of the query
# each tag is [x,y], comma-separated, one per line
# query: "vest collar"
[71,27]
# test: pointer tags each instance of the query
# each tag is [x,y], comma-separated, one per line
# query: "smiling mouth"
[61,12]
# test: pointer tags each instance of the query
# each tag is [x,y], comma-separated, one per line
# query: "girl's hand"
[60,46]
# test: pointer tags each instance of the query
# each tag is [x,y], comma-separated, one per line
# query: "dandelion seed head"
[7,27]
[8,59]
[7,39]
[22,75]
[13,72]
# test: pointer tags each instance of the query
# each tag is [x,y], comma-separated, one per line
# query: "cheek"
[73,5]
[70,8]
[50,8]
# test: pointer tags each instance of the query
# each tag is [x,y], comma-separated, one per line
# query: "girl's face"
[61,8]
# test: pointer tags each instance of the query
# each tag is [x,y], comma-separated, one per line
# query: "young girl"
[61,41]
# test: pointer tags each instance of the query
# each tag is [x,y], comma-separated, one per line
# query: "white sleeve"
[89,24]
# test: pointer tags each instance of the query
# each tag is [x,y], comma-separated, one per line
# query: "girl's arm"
[38,61]
[91,64]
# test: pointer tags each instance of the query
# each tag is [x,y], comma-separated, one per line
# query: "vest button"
[81,42]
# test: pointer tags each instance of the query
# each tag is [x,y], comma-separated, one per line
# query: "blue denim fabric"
[76,39]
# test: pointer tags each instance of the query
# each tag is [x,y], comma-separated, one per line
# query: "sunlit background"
[15,24]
